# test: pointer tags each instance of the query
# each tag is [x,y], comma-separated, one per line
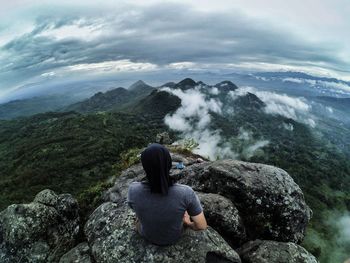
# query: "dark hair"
[156,161]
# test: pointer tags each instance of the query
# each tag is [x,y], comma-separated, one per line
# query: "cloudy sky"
[45,40]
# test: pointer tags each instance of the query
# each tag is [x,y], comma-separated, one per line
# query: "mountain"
[112,99]
[168,84]
[249,102]
[156,105]
[101,101]
[140,88]
[31,106]
[226,86]
[185,84]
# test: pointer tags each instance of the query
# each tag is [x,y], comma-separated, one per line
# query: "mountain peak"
[226,85]
[138,84]
[185,84]
[187,81]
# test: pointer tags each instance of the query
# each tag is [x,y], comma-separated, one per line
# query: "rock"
[242,201]
[176,158]
[47,197]
[78,254]
[119,191]
[111,235]
[41,231]
[270,203]
[224,217]
[163,138]
[266,251]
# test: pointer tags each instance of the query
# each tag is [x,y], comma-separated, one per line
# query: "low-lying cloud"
[193,120]
[344,228]
[335,86]
[291,107]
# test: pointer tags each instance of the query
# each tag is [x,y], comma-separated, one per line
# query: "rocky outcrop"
[163,138]
[270,203]
[267,199]
[41,231]
[265,251]
[243,202]
[112,237]
[222,213]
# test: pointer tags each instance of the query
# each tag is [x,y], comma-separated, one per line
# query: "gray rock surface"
[163,138]
[270,203]
[222,214]
[78,254]
[41,231]
[242,201]
[111,235]
[266,251]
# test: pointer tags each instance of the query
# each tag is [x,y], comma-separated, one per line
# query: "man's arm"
[198,222]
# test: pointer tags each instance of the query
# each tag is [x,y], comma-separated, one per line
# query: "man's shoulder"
[183,187]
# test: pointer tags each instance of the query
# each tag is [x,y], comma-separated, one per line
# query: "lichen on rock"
[270,203]
[267,251]
[112,237]
[41,231]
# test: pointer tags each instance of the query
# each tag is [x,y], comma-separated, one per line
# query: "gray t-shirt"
[161,215]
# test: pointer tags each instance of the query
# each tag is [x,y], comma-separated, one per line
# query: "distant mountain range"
[31,106]
[120,97]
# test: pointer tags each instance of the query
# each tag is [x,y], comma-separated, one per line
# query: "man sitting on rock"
[163,207]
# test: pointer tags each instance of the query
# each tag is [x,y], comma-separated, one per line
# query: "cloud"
[336,86]
[193,119]
[296,108]
[173,36]
[246,145]
[288,126]
[343,225]
[329,109]
[251,150]
[119,65]
[294,80]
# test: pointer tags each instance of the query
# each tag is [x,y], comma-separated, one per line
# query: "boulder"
[270,203]
[266,251]
[163,138]
[224,217]
[112,237]
[41,231]
[79,254]
[119,190]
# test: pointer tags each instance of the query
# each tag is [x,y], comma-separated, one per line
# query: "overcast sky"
[41,41]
